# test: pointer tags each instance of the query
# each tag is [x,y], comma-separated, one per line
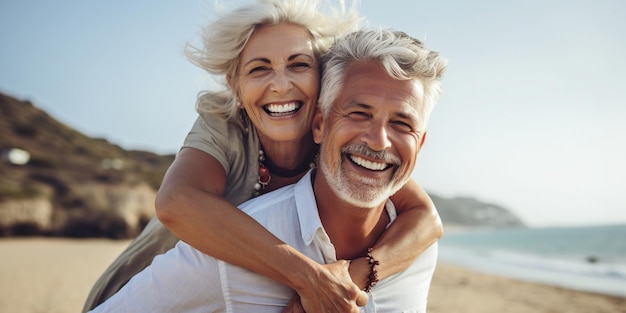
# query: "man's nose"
[376,137]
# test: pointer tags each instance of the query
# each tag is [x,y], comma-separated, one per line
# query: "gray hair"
[402,56]
[226,37]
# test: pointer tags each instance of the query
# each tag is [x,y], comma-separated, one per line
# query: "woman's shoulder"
[210,129]
[218,132]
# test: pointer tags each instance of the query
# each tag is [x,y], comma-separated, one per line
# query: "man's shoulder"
[284,197]
[278,197]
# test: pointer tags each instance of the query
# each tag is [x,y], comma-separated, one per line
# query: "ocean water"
[583,258]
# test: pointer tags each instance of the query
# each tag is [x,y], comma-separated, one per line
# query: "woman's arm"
[417,226]
[190,205]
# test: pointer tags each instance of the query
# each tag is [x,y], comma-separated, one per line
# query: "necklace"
[264,175]
[264,171]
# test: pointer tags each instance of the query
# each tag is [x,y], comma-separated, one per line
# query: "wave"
[607,276]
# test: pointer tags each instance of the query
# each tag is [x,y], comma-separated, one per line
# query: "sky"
[531,116]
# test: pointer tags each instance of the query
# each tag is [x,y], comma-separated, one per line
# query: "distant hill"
[77,186]
[468,213]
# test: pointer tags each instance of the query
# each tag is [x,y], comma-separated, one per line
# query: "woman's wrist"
[302,272]
[373,276]
[360,271]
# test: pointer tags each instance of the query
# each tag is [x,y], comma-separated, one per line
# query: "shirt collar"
[306,207]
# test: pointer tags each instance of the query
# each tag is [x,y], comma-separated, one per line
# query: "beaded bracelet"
[373,279]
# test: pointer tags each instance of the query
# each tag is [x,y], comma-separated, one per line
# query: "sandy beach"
[54,275]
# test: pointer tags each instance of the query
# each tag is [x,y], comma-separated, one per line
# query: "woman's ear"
[318,125]
[233,87]
[229,80]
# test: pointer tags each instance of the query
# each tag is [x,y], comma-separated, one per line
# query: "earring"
[244,119]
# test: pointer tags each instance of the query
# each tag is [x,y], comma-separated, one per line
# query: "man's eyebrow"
[365,106]
[405,115]
[362,105]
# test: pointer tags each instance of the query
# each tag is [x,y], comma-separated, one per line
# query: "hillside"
[71,180]
[77,186]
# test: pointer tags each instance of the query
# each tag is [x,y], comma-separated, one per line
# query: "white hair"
[225,38]
[402,56]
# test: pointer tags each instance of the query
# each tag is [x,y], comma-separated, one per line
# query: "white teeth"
[282,108]
[374,166]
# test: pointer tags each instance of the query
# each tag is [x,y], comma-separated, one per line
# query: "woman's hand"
[330,290]
[294,305]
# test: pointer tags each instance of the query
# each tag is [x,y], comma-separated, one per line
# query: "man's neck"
[351,229]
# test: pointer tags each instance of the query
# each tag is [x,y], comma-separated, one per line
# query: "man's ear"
[423,138]
[318,125]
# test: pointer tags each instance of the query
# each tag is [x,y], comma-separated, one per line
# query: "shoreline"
[55,275]
[460,290]
[584,278]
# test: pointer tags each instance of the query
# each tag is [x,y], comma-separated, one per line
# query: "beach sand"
[54,276]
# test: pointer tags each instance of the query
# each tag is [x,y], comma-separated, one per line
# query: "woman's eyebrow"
[264,60]
[291,58]
[301,55]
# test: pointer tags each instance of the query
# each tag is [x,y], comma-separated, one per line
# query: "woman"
[255,137]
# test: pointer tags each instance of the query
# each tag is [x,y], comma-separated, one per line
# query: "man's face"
[371,136]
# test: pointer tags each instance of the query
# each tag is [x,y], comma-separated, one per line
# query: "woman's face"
[278,81]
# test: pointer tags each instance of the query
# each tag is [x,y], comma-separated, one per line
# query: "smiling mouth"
[282,109]
[370,165]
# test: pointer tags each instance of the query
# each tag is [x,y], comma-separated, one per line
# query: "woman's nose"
[281,82]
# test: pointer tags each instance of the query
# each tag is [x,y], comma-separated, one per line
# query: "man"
[378,90]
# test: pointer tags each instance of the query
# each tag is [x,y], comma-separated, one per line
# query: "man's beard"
[356,189]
